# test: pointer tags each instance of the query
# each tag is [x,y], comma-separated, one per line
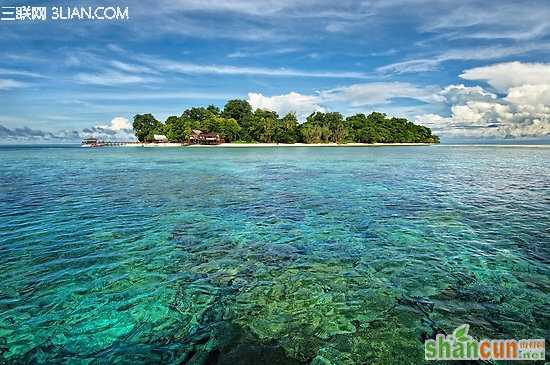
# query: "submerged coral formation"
[343,256]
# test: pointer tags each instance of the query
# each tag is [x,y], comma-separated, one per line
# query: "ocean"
[284,255]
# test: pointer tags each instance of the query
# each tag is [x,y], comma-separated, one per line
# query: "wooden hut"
[160,138]
[199,137]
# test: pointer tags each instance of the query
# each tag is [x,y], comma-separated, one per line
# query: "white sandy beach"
[231,145]
[256,145]
[169,144]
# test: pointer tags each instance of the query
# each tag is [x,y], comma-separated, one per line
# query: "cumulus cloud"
[366,95]
[503,76]
[460,94]
[535,95]
[523,111]
[119,129]
[302,105]
[118,124]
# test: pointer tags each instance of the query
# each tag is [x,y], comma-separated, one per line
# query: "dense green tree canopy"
[145,126]
[199,114]
[287,129]
[377,128]
[237,109]
[178,129]
[237,122]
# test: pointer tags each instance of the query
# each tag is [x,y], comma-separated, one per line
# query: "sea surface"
[268,255]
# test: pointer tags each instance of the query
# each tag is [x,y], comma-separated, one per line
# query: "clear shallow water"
[288,255]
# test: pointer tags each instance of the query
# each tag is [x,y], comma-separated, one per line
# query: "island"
[238,124]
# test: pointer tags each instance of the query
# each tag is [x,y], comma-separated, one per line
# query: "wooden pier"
[94,142]
[117,143]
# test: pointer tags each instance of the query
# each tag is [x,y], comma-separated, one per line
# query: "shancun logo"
[461,346]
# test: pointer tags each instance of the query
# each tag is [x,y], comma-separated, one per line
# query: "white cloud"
[259,53]
[249,7]
[23,73]
[126,67]
[504,76]
[433,62]
[192,68]
[116,48]
[302,105]
[111,78]
[192,26]
[498,20]
[176,95]
[119,129]
[117,124]
[376,93]
[460,94]
[352,97]
[535,95]
[345,9]
[524,111]
[249,20]
[6,84]
[420,65]
[338,27]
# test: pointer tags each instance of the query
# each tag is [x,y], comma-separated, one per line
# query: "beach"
[257,145]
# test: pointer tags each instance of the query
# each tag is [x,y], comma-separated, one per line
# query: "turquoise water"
[268,255]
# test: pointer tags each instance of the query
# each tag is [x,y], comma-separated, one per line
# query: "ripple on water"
[289,256]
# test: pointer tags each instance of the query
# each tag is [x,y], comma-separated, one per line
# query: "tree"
[338,130]
[314,134]
[145,126]
[227,128]
[213,109]
[263,125]
[237,109]
[197,115]
[237,121]
[241,112]
[230,129]
[178,129]
[287,129]
[323,128]
[362,129]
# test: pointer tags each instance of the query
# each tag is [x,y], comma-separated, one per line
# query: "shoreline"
[260,145]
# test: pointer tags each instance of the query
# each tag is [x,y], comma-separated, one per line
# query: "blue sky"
[468,70]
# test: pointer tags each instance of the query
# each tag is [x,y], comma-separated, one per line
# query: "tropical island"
[238,123]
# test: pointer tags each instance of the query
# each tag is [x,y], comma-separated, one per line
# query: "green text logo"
[461,346]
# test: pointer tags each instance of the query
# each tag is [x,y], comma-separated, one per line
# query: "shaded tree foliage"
[238,122]
[145,126]
[178,129]
[238,110]
[378,128]
[287,130]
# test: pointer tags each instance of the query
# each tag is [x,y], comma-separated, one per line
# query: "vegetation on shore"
[238,122]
